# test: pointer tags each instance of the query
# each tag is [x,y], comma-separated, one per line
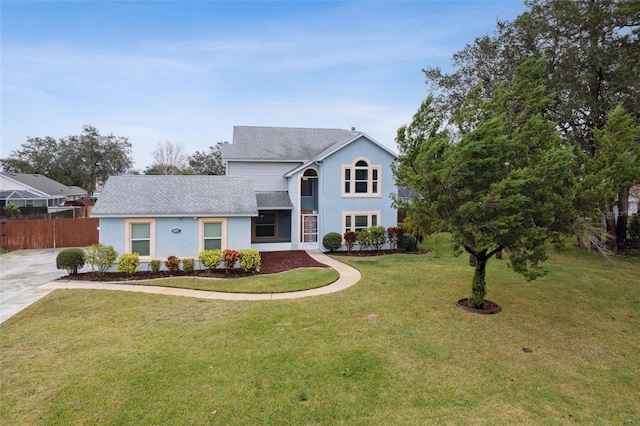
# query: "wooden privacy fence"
[48,233]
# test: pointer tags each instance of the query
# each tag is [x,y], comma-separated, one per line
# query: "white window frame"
[352,215]
[223,231]
[352,179]
[152,237]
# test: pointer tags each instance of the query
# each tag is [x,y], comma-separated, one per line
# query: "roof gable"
[282,143]
[172,196]
[337,147]
[44,184]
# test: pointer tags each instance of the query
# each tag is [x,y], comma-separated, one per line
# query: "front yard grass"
[295,280]
[393,349]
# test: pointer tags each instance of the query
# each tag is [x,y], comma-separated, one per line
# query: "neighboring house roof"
[174,196]
[20,195]
[44,184]
[287,144]
[406,194]
[277,200]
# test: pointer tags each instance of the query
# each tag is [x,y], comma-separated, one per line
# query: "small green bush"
[332,241]
[12,210]
[210,259]
[407,242]
[188,265]
[350,239]
[155,265]
[173,264]
[229,258]
[378,236]
[100,257]
[250,260]
[70,259]
[129,263]
[364,239]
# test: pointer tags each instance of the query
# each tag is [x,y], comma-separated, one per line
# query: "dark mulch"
[368,253]
[272,262]
[489,307]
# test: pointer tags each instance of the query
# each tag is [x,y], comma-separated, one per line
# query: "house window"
[309,177]
[140,237]
[357,221]
[271,226]
[265,225]
[212,234]
[361,179]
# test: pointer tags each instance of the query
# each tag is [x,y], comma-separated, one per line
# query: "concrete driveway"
[21,272]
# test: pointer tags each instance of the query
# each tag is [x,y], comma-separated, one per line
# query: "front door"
[309,231]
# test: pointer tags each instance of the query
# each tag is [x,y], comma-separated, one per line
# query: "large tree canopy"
[207,163]
[79,160]
[506,184]
[592,52]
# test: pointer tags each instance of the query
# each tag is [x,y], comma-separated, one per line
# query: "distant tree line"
[89,158]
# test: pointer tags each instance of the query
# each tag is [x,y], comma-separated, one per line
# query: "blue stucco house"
[284,189]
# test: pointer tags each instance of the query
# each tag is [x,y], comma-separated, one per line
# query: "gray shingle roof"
[149,196]
[274,200]
[44,184]
[282,143]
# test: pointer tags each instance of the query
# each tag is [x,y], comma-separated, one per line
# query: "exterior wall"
[165,242]
[267,176]
[332,204]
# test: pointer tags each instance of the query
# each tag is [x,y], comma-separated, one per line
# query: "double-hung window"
[357,221]
[212,234]
[140,237]
[361,179]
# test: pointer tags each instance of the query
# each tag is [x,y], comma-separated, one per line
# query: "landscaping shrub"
[210,259]
[364,239]
[332,241]
[407,242]
[188,265]
[70,259]
[250,260]
[155,265]
[172,263]
[229,258]
[129,263]
[12,210]
[100,257]
[378,236]
[394,233]
[350,239]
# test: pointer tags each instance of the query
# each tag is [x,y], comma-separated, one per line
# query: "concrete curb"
[348,277]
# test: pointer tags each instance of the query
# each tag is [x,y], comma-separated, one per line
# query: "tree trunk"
[623,209]
[478,286]
[611,233]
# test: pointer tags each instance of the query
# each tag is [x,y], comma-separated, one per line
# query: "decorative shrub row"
[101,258]
[372,238]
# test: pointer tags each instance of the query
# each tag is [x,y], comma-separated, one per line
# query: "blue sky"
[188,72]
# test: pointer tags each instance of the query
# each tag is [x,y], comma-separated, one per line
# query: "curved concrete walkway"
[348,277]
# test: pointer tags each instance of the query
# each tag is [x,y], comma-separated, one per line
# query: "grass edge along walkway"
[348,277]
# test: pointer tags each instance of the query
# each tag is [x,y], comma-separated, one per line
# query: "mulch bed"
[272,262]
[490,307]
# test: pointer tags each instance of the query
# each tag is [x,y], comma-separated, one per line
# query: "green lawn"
[295,280]
[393,349]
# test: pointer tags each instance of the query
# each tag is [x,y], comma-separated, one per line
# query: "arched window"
[361,179]
[308,183]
